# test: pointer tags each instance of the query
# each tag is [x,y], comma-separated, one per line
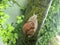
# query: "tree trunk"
[40,7]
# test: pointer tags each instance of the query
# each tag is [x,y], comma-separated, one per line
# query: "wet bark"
[40,7]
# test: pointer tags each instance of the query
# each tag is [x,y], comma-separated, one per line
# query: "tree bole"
[40,7]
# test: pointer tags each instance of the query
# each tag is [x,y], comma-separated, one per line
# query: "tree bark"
[40,7]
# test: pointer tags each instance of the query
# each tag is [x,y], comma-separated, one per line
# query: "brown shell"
[30,32]
[27,27]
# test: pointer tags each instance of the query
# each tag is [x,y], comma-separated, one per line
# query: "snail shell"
[30,26]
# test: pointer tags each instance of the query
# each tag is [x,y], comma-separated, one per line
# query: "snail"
[30,27]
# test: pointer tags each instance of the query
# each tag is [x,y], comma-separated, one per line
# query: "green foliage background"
[10,34]
[49,31]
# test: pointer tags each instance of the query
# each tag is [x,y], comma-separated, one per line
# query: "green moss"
[50,28]
[37,7]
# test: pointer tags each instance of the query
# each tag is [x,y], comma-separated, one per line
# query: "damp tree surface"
[13,33]
[41,8]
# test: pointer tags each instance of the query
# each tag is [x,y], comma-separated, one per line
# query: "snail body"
[30,26]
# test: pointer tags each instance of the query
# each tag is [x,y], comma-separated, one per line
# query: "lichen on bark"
[41,8]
